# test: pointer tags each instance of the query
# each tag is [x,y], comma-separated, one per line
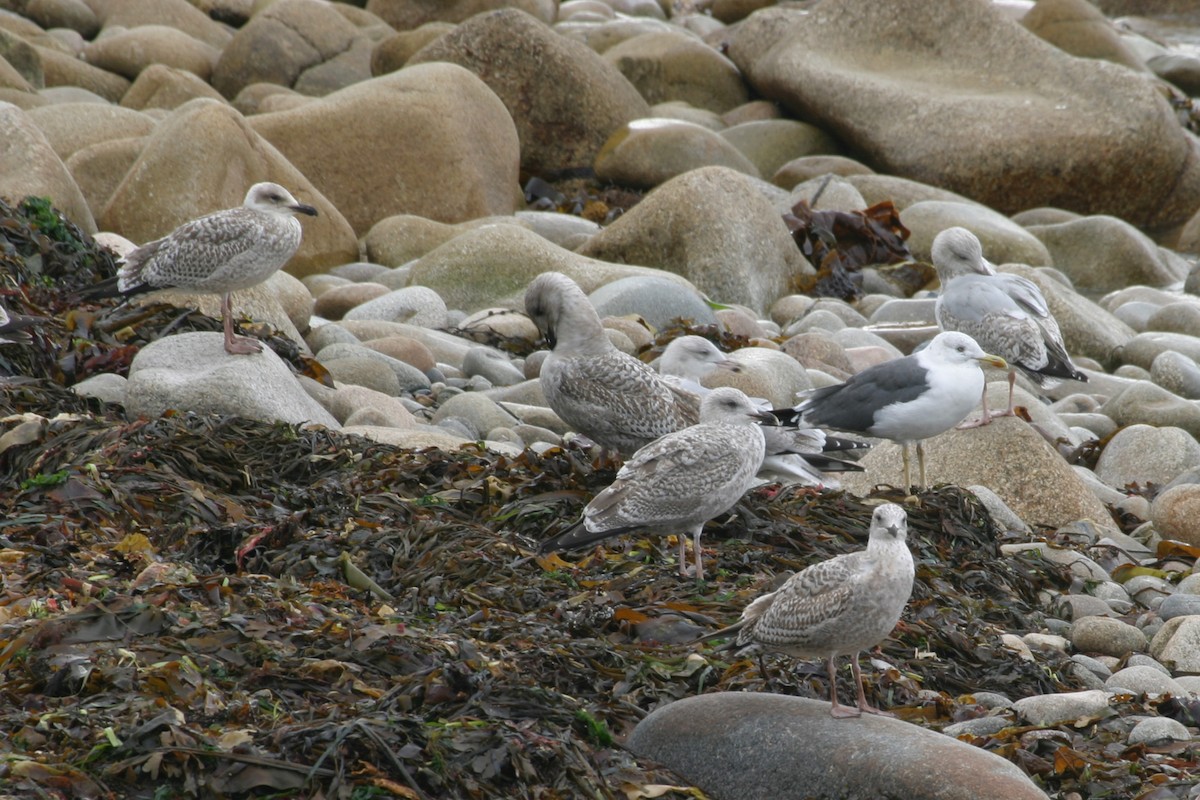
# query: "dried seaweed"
[840,243]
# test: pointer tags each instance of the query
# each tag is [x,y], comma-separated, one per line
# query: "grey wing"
[695,473]
[813,599]
[199,252]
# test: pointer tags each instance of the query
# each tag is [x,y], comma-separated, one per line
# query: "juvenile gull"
[837,607]
[221,253]
[609,396]
[14,327]
[793,454]
[906,399]
[679,482]
[1006,314]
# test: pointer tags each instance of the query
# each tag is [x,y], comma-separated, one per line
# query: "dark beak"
[301,208]
[766,418]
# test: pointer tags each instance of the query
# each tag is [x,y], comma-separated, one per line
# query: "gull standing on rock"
[906,399]
[221,253]
[837,607]
[679,482]
[608,396]
[793,454]
[1006,314]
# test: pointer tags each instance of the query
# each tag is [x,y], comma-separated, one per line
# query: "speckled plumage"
[680,481]
[906,399]
[14,327]
[609,396]
[793,454]
[1006,314]
[222,252]
[837,607]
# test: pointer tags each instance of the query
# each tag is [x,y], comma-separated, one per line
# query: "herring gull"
[608,396]
[14,327]
[842,606]
[680,481]
[1006,314]
[221,253]
[906,399]
[793,454]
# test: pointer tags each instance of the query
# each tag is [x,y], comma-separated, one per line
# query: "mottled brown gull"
[680,481]
[221,253]
[1006,314]
[609,396]
[837,607]
[794,454]
[906,399]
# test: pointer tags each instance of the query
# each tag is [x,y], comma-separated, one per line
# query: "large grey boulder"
[957,94]
[759,746]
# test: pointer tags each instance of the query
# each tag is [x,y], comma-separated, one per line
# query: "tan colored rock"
[178,14]
[10,78]
[173,181]
[674,66]
[430,140]
[394,52]
[29,166]
[73,14]
[771,143]
[1018,122]
[648,152]
[514,53]
[334,303]
[405,15]
[98,169]
[160,86]
[1176,513]
[1103,254]
[72,126]
[405,349]
[279,44]
[492,265]
[715,228]
[799,170]
[1078,27]
[128,52]
[22,57]
[60,69]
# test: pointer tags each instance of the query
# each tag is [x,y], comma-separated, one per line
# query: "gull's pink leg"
[236,345]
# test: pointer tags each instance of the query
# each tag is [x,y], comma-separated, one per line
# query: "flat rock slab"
[747,746]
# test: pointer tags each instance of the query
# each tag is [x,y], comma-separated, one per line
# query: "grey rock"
[415,305]
[107,387]
[1095,666]
[1136,314]
[1148,590]
[192,372]
[493,365]
[728,744]
[1177,644]
[480,411]
[408,377]
[1001,514]
[1179,317]
[819,319]
[1176,373]
[657,300]
[1107,636]
[1051,709]
[322,336]
[1100,425]
[980,726]
[1148,404]
[1159,731]
[1143,680]
[1179,605]
[1102,253]
[1143,348]
[364,371]
[1078,606]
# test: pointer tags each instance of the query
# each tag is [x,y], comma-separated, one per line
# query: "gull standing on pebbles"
[842,606]
[793,454]
[679,482]
[221,253]
[906,399]
[1006,314]
[608,396]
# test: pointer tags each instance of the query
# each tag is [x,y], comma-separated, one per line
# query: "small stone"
[1051,709]
[1143,680]
[1159,731]
[1107,636]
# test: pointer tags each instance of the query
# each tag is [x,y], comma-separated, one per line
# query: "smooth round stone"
[480,411]
[980,726]
[1078,606]
[1099,425]
[363,371]
[1095,666]
[406,349]
[817,351]
[791,307]
[335,301]
[637,333]
[1107,636]
[1176,513]
[1136,314]
[533,364]
[1149,590]
[1078,563]
[506,436]
[501,322]
[1144,402]
[843,310]
[659,301]
[836,194]
[322,282]
[817,319]
[1143,680]
[679,109]
[359,271]
[1051,709]
[739,323]
[384,409]
[1176,373]
[408,377]
[805,168]
[1189,584]
[107,387]
[531,434]
[770,374]
[647,152]
[1181,317]
[414,305]
[1142,349]
[1177,643]
[492,365]
[858,339]
[1000,512]
[1159,731]
[771,143]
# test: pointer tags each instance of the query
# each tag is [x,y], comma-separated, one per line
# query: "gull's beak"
[301,208]
[730,365]
[993,361]
[988,267]
[766,418]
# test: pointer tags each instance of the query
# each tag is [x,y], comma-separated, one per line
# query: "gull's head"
[273,198]
[549,298]
[956,251]
[889,522]
[727,404]
[953,347]
[694,357]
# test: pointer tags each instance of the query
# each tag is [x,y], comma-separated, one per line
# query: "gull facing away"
[906,399]
[608,396]
[842,606]
[793,454]
[221,253]
[679,482]
[1006,314]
